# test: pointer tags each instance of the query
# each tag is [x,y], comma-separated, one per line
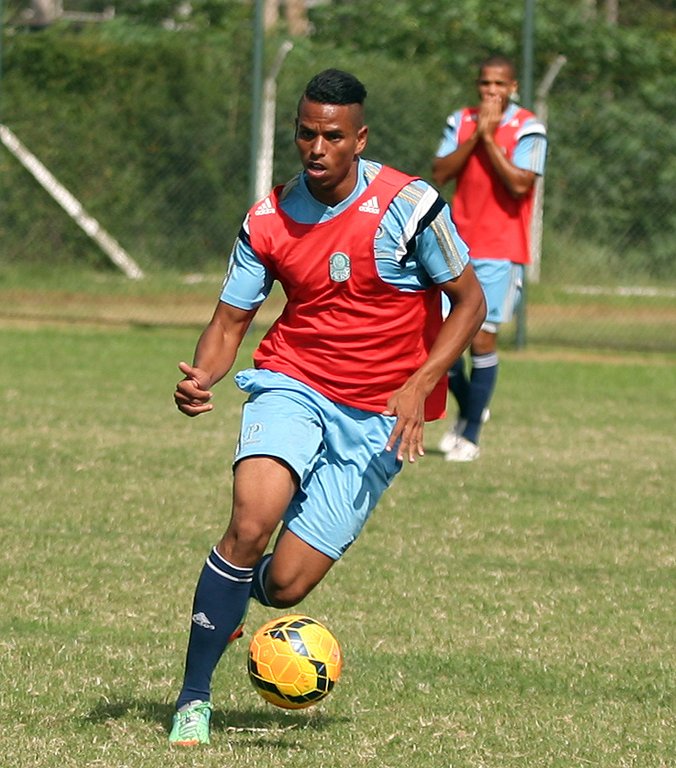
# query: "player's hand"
[490,114]
[407,434]
[192,395]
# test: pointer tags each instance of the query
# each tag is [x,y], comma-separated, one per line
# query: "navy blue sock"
[459,385]
[258,587]
[219,607]
[481,386]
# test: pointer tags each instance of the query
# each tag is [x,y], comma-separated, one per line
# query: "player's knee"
[245,542]
[485,345]
[286,595]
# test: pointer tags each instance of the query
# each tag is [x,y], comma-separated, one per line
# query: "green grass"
[514,612]
[558,312]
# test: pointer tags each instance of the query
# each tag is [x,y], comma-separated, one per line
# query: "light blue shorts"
[337,452]
[502,282]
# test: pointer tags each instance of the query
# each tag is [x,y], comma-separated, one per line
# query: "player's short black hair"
[333,86]
[498,60]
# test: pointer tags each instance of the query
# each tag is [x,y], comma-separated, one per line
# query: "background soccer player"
[494,151]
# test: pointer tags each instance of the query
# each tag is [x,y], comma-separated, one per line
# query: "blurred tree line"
[146,117]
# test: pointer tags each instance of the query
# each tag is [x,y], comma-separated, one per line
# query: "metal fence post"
[527,101]
[256,97]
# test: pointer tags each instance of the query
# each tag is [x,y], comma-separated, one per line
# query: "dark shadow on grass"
[245,720]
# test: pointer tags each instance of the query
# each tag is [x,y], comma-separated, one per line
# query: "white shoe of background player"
[450,436]
[462,450]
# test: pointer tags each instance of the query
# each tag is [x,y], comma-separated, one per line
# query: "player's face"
[330,138]
[497,83]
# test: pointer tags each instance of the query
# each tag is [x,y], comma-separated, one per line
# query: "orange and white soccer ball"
[294,661]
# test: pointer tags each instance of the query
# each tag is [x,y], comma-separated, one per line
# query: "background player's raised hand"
[490,114]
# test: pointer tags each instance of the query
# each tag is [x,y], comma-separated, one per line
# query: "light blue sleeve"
[418,244]
[441,250]
[531,149]
[247,282]
[449,138]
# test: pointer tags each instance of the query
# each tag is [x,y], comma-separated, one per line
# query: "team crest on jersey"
[340,268]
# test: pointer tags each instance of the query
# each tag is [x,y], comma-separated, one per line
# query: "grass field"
[625,318]
[513,613]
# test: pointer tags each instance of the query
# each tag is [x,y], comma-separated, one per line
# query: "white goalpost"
[71,205]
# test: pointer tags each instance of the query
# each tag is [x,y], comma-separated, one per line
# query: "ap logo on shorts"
[339,267]
[250,436]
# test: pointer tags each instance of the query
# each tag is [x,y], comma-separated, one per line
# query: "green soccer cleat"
[191,725]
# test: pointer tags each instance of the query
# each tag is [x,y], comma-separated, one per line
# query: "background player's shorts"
[337,452]
[502,282]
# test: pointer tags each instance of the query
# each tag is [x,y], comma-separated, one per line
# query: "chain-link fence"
[169,193]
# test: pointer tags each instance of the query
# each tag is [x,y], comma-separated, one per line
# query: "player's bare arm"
[214,356]
[408,402]
[517,180]
[448,167]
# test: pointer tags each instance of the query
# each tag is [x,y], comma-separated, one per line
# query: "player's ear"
[295,129]
[362,139]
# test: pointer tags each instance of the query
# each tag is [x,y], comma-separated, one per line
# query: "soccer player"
[342,382]
[495,152]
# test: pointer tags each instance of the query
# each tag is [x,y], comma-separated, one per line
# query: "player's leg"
[295,570]
[279,439]
[458,385]
[263,488]
[484,353]
[351,473]
[480,388]
[501,282]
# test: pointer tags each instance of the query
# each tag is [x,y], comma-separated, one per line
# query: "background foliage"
[150,127]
